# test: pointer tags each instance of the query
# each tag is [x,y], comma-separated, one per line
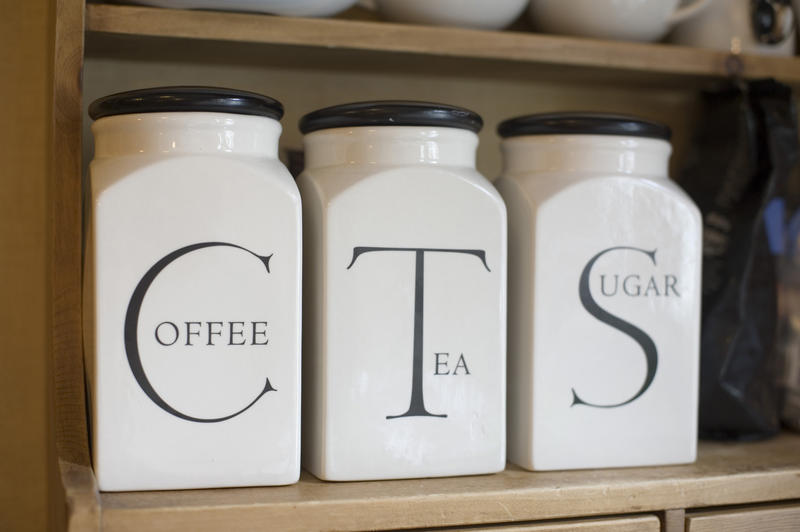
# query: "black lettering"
[190,332]
[132,324]
[212,332]
[174,329]
[603,285]
[625,285]
[417,403]
[461,364]
[257,333]
[441,363]
[639,336]
[651,285]
[233,332]
[669,282]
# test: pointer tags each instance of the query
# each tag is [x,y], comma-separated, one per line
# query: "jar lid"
[391,113]
[186,99]
[583,124]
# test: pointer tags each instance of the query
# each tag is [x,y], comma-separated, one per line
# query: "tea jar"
[604,265]
[192,292]
[405,309]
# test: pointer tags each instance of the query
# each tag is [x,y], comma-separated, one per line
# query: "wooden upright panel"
[27,457]
[71,434]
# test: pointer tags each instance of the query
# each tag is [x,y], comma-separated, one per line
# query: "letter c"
[132,326]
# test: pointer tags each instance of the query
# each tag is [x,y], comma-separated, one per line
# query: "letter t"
[417,405]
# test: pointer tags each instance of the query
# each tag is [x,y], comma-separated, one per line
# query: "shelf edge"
[663,59]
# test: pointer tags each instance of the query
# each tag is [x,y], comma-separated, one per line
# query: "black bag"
[745,150]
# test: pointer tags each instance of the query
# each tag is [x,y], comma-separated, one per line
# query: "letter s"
[638,335]
[132,326]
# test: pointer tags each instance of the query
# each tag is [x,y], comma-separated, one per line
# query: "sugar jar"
[405,309]
[604,265]
[192,292]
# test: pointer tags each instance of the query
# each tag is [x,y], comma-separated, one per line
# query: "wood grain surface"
[535,49]
[773,518]
[724,474]
[27,454]
[674,520]
[71,429]
[642,523]
[79,491]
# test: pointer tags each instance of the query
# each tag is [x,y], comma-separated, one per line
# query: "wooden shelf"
[510,53]
[725,474]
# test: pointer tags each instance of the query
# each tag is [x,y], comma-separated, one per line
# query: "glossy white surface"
[483,14]
[293,8]
[161,183]
[570,198]
[627,20]
[402,187]
[727,25]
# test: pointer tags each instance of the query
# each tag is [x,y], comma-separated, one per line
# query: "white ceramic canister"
[604,265]
[405,323]
[192,292]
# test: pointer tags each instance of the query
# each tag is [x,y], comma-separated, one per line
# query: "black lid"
[583,124]
[186,99]
[391,113]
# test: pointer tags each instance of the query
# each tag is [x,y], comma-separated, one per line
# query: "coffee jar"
[604,265]
[405,309]
[192,292]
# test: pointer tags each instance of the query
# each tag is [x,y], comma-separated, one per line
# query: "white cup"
[628,20]
[290,8]
[481,14]
[729,25]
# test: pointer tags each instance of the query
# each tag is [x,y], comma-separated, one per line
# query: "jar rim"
[186,99]
[391,113]
[583,123]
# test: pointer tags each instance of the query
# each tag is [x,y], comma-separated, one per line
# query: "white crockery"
[405,285]
[192,299]
[483,14]
[604,313]
[727,25]
[627,20]
[292,8]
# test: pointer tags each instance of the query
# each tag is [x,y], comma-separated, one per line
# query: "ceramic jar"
[605,257]
[404,346]
[192,292]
